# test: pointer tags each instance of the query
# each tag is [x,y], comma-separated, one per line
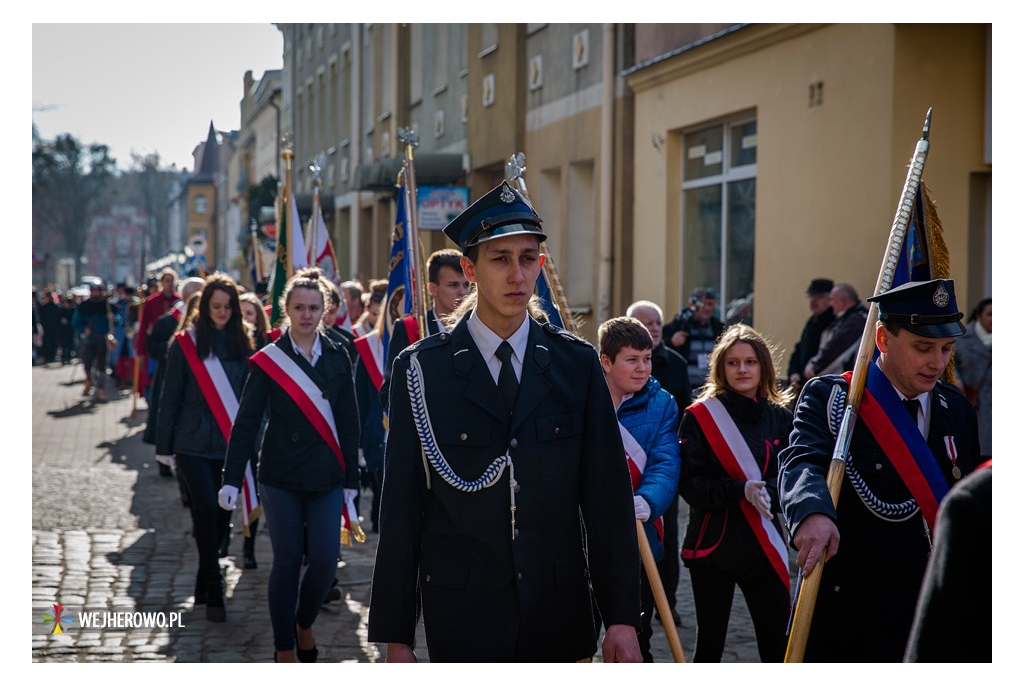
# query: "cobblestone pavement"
[110,534]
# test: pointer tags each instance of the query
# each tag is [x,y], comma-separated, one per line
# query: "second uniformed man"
[506,502]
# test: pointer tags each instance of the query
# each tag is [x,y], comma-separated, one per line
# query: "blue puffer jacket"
[652,418]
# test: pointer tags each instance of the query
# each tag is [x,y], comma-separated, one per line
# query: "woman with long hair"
[207,364]
[973,361]
[731,437]
[308,470]
[256,316]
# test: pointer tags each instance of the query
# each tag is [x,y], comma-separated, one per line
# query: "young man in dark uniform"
[506,502]
[915,437]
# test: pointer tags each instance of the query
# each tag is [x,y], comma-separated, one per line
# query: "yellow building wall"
[829,175]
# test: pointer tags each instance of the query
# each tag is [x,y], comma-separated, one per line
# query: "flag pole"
[658,590]
[807,593]
[411,140]
[514,170]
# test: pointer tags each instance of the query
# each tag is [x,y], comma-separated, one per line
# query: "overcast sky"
[145,87]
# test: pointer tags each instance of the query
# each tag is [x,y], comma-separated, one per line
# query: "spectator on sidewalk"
[810,339]
[692,333]
[839,342]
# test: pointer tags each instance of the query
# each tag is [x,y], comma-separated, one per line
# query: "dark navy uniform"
[496,587]
[866,601]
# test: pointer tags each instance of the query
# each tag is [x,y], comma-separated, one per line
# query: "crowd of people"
[507,461]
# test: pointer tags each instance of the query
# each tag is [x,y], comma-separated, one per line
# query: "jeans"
[293,602]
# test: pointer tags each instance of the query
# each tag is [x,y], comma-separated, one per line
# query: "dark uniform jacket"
[157,344]
[717,533]
[185,423]
[869,590]
[398,341]
[485,596]
[294,456]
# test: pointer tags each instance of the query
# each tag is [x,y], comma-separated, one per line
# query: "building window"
[719,201]
[199,205]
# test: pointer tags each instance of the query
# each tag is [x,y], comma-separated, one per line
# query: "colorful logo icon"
[59,619]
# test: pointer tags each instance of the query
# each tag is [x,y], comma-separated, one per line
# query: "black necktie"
[913,406]
[507,383]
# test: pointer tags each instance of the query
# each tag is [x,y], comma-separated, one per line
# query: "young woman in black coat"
[188,429]
[730,440]
[308,469]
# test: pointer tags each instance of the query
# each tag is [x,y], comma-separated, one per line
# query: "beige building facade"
[774,154]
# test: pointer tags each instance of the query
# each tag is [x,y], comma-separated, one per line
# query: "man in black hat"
[915,437]
[506,502]
[821,316]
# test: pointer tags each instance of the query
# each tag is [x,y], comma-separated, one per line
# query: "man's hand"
[678,338]
[620,645]
[399,653]
[795,380]
[817,534]
[167,460]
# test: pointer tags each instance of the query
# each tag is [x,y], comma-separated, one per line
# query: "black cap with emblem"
[925,308]
[502,211]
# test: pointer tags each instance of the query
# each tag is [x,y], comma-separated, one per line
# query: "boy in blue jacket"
[648,419]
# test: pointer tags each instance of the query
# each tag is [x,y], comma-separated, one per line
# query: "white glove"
[227,497]
[362,459]
[641,508]
[166,460]
[350,496]
[755,493]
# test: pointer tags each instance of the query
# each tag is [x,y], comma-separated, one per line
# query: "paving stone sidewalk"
[110,534]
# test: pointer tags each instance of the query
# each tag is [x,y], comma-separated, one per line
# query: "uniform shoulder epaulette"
[431,341]
[552,329]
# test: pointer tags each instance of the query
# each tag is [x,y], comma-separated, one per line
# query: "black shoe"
[216,614]
[305,656]
[675,617]
[334,594]
[248,561]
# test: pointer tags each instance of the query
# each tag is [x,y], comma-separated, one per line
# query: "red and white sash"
[636,460]
[178,310]
[220,397]
[734,454]
[283,370]
[371,351]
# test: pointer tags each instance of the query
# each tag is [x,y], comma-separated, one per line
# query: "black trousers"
[210,523]
[768,603]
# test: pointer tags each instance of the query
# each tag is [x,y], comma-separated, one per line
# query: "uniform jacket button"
[556,430]
[295,437]
[519,576]
[427,578]
[463,436]
[878,467]
[513,443]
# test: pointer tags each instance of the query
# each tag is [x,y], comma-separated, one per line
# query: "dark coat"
[185,424]
[961,562]
[485,596]
[157,343]
[669,368]
[869,590]
[810,340]
[717,533]
[371,414]
[836,352]
[398,341]
[294,456]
